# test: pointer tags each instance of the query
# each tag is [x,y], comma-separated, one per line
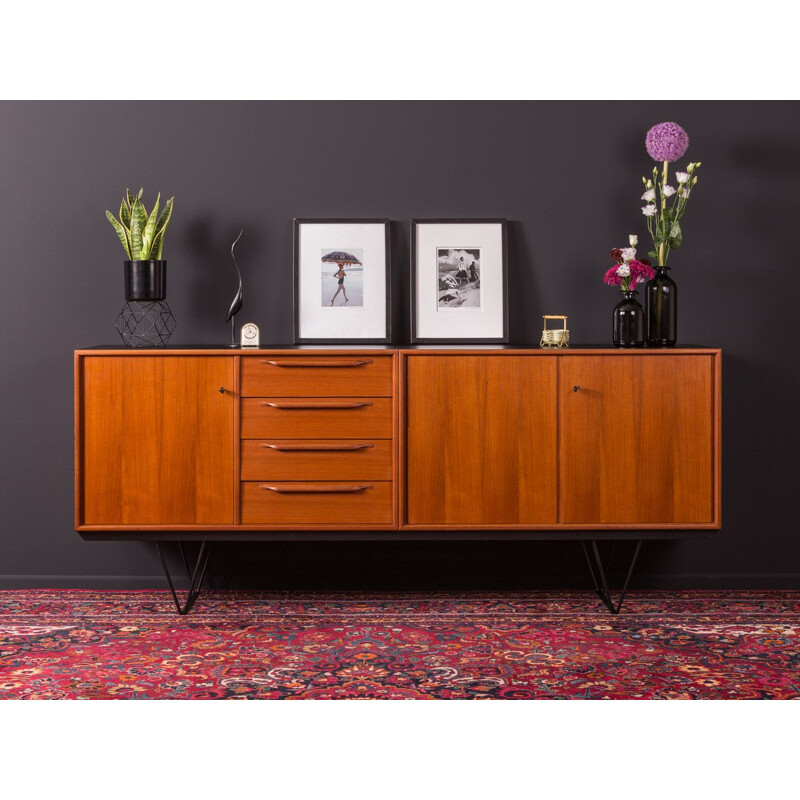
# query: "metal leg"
[196,576]
[598,573]
[185,561]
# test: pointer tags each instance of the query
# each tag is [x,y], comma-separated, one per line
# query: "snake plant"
[142,235]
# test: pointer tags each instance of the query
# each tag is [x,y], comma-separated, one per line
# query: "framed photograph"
[459,281]
[341,281]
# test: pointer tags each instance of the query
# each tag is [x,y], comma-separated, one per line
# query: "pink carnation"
[641,270]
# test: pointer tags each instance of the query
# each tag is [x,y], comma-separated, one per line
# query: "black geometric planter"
[145,280]
[142,324]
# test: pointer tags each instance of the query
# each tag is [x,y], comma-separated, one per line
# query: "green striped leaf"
[161,229]
[158,246]
[164,218]
[149,232]
[121,233]
[125,214]
[138,223]
[129,199]
[138,199]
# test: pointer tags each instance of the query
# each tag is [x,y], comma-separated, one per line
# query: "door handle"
[295,405]
[316,488]
[323,364]
[320,447]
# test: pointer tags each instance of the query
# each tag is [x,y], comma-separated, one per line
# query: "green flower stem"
[659,303]
[662,248]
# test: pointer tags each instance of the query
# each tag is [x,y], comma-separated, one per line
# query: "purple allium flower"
[666,141]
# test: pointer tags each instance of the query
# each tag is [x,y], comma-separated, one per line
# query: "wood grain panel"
[481,446]
[636,439]
[324,418]
[316,460]
[320,503]
[158,440]
[317,376]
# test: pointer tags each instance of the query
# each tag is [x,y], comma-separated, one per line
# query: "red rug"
[91,644]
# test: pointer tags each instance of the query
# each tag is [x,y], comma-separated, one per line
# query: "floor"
[255,645]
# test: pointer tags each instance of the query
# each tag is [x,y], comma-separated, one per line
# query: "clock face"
[250,334]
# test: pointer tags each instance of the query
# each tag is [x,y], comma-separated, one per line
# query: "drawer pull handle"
[316,488]
[294,405]
[304,363]
[319,447]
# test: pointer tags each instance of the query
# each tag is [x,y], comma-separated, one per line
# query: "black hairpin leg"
[599,577]
[196,575]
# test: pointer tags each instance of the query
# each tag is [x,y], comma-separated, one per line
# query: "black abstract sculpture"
[237,300]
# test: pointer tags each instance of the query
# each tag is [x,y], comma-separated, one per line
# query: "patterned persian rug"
[131,645]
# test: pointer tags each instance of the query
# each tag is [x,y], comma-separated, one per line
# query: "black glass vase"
[662,310]
[629,322]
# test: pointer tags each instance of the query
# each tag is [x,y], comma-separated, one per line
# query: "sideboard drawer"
[320,503]
[323,418]
[317,376]
[313,460]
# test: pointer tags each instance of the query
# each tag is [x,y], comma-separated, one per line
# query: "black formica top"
[438,346]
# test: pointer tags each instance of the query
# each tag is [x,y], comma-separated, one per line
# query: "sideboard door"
[481,440]
[636,439]
[158,440]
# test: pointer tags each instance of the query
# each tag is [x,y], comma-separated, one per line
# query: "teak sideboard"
[193,441]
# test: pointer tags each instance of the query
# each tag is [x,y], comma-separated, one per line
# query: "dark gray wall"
[567,174]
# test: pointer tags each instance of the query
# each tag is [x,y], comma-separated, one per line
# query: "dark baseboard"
[741,581]
[733,580]
[118,582]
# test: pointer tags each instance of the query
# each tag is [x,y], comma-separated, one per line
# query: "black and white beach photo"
[342,277]
[341,265]
[459,277]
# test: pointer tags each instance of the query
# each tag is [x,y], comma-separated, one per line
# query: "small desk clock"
[250,335]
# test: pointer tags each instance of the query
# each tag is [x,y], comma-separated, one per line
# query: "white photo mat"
[435,320]
[364,317]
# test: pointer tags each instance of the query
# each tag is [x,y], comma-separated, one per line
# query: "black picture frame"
[297,222]
[413,283]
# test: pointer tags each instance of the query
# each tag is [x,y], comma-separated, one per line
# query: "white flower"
[623,270]
[649,210]
[667,190]
[628,254]
[682,177]
[634,240]
[649,195]
[684,193]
